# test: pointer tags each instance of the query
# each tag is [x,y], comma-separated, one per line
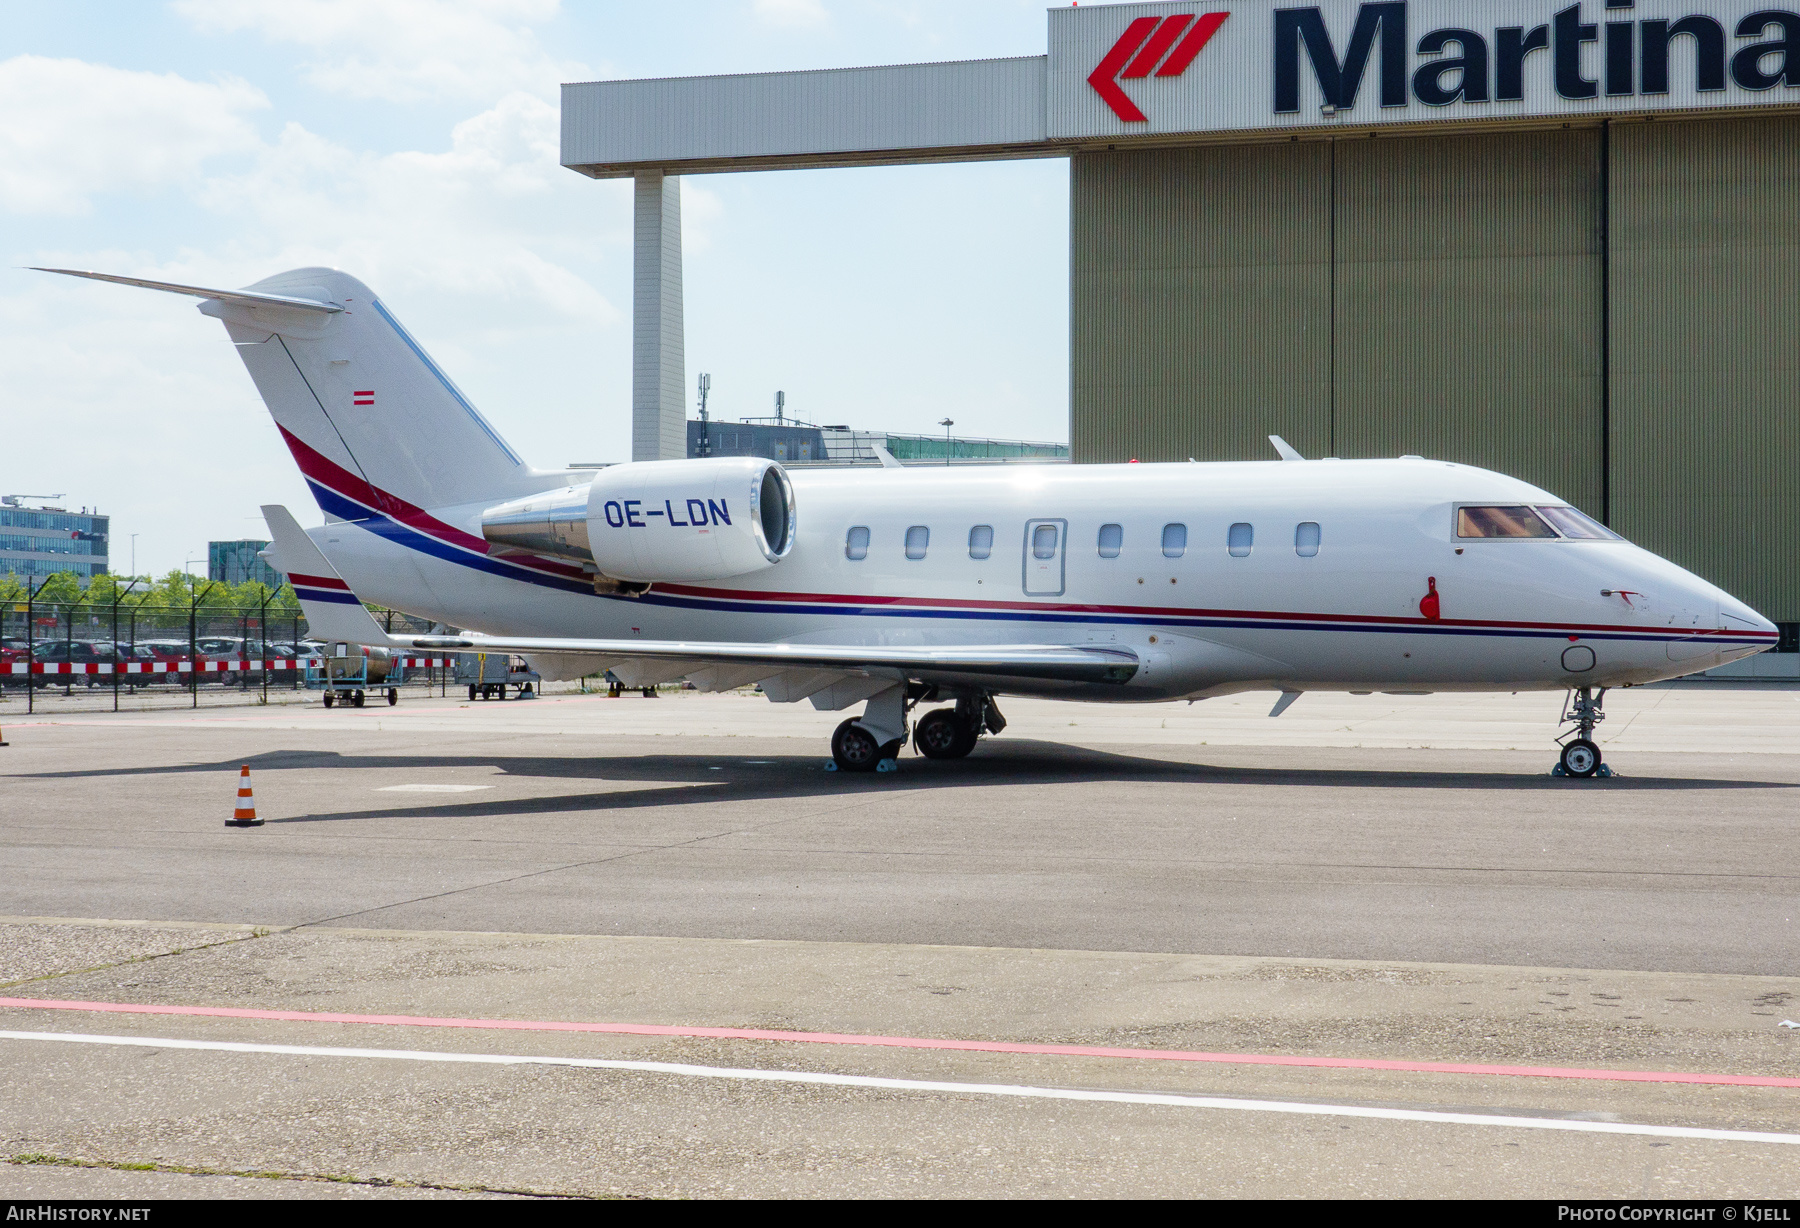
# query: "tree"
[61,587]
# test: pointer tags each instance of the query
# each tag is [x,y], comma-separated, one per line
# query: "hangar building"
[1560,240]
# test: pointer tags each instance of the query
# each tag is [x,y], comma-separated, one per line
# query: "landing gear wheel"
[393,697]
[854,748]
[329,699]
[940,735]
[1580,758]
[356,700]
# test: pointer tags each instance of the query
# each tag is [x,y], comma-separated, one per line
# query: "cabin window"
[1239,539]
[1174,540]
[917,539]
[1306,538]
[981,541]
[856,543]
[1510,521]
[1111,538]
[1043,542]
[1571,523]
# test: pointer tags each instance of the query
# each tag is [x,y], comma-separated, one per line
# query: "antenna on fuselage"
[1285,449]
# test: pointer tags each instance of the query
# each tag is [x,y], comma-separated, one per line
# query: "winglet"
[1285,449]
[332,610]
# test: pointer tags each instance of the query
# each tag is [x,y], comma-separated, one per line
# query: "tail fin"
[332,610]
[373,423]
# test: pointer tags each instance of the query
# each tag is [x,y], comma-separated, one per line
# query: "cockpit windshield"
[1571,523]
[1501,522]
[1517,520]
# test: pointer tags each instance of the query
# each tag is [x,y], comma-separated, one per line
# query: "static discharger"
[245,815]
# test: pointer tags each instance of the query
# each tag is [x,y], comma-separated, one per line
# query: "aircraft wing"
[1069,663]
[334,613]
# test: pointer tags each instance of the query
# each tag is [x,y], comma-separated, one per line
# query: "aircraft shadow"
[692,779]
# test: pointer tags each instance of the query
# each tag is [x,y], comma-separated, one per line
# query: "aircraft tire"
[854,748]
[940,735]
[1580,758]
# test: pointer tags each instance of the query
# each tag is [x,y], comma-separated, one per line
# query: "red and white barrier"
[238,665]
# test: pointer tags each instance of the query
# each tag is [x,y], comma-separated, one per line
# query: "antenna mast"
[705,430]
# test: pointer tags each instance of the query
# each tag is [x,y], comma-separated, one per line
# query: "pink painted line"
[918,1042]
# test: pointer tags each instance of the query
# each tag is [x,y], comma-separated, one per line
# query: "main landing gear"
[951,733]
[1580,756]
[872,742]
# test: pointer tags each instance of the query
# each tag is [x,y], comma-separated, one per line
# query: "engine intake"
[659,521]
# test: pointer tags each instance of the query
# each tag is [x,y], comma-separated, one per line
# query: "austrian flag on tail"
[1142,47]
[363,398]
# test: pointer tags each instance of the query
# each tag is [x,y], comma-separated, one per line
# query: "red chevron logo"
[1144,43]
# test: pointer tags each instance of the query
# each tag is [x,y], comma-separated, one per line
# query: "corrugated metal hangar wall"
[1609,312]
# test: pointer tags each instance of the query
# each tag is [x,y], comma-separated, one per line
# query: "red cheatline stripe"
[1193,44]
[917,1042]
[330,582]
[1166,33]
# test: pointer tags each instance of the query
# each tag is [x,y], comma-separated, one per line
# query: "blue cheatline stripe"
[335,504]
[330,596]
[443,379]
[339,505]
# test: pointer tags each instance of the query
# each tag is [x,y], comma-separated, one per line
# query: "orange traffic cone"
[245,815]
[3,741]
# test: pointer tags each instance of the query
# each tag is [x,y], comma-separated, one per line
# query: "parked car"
[171,653]
[13,652]
[143,656]
[74,652]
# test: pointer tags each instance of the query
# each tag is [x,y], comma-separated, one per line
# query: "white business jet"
[894,587]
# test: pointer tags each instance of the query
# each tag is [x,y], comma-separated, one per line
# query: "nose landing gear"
[1580,756]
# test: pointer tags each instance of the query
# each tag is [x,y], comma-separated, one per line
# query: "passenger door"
[1044,545]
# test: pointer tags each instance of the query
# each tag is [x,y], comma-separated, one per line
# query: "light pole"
[946,423]
[134,555]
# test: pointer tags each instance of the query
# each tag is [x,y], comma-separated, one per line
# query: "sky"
[415,145]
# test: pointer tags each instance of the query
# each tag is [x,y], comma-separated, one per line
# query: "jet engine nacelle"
[649,522]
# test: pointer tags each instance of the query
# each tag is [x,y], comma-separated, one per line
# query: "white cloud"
[798,13]
[404,50]
[69,129]
[484,247]
[472,220]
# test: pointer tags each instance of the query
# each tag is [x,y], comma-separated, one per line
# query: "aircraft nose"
[1734,613]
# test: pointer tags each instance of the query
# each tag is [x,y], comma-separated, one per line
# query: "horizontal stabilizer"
[247,298]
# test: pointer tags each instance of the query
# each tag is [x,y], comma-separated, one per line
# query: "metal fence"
[98,654]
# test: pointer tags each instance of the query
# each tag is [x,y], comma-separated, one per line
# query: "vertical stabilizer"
[372,421]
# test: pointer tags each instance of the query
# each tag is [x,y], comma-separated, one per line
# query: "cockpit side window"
[1571,523]
[1508,521]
